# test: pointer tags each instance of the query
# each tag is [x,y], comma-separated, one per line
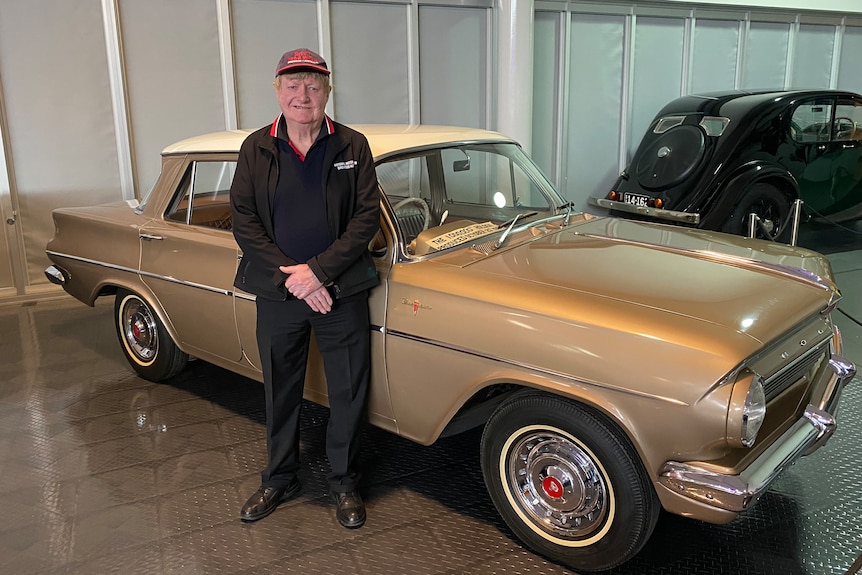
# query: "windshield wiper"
[568,206]
[511,225]
[516,218]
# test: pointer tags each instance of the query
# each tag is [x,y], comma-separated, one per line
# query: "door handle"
[150,237]
[12,219]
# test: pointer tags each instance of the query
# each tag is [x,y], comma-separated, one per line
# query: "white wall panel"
[812,64]
[453,77]
[263,30]
[546,86]
[173,74]
[766,55]
[656,71]
[850,69]
[714,55]
[594,106]
[58,107]
[370,76]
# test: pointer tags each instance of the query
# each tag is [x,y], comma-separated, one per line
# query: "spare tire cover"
[671,158]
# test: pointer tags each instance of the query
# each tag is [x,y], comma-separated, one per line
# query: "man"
[305,206]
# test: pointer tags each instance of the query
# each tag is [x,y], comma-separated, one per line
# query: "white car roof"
[383,138]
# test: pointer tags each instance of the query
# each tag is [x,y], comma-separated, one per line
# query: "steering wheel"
[418,202]
[844,126]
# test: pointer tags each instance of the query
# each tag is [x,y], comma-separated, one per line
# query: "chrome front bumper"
[670,215]
[737,492]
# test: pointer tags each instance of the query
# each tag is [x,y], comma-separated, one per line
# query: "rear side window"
[203,196]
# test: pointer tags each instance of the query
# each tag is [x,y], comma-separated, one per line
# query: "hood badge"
[415,304]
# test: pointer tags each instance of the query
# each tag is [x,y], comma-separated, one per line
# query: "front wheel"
[567,482]
[144,340]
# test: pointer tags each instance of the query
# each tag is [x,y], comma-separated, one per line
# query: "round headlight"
[753,413]
[747,411]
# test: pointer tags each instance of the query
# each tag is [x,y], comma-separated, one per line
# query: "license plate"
[635,199]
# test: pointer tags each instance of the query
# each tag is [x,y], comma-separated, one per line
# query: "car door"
[830,150]
[846,155]
[810,128]
[379,406]
[188,260]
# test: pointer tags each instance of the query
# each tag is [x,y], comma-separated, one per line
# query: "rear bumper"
[56,275]
[737,492]
[658,213]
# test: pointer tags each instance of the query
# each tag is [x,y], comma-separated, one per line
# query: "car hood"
[760,289]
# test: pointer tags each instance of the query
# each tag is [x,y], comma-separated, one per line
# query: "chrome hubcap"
[140,330]
[557,484]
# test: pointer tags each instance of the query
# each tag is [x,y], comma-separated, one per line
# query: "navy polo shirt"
[299,206]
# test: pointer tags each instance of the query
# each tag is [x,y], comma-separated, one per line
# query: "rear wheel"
[772,208]
[567,482]
[144,340]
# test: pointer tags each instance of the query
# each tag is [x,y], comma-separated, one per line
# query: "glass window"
[446,197]
[482,176]
[203,196]
[405,183]
[714,125]
[667,123]
[810,121]
[848,120]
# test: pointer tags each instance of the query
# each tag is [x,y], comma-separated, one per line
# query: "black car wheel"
[567,482]
[772,208]
[144,340]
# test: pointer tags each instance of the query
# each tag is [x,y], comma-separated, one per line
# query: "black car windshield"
[448,196]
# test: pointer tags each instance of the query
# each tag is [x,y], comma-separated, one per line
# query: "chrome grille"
[792,372]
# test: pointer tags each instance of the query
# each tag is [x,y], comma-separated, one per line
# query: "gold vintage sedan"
[617,367]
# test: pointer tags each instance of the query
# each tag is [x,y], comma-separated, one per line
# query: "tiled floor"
[103,472]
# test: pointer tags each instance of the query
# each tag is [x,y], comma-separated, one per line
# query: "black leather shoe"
[266,499]
[349,509]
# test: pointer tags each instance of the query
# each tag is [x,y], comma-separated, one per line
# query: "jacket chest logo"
[349,164]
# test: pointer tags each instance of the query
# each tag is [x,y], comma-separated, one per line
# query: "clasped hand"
[302,284]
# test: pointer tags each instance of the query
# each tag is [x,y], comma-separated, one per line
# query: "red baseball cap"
[301,59]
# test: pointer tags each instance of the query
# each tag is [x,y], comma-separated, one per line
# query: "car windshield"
[445,197]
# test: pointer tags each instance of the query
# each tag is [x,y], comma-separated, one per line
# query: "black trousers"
[283,334]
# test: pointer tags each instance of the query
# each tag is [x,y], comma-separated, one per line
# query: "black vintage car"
[710,160]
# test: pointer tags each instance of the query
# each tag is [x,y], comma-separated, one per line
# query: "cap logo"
[302,58]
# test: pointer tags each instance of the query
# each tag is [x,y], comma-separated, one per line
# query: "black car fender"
[725,197]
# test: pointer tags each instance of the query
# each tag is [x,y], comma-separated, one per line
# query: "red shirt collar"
[327,123]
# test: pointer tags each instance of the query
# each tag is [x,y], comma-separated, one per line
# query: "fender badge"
[415,304]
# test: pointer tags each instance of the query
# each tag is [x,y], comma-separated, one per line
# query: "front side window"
[848,120]
[203,196]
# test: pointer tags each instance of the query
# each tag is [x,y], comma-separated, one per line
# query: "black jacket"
[352,209]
